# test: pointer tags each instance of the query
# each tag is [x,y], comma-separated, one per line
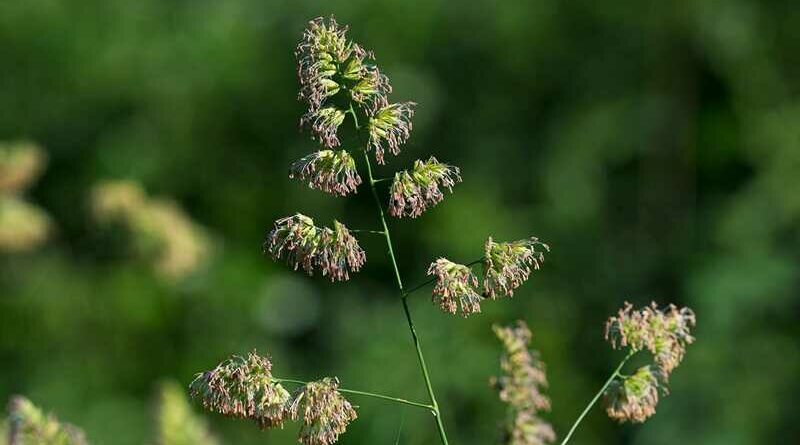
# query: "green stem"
[415,338]
[586,410]
[376,232]
[364,393]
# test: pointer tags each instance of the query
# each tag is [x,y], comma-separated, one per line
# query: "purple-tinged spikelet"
[324,412]
[389,128]
[324,123]
[665,333]
[455,287]
[330,171]
[243,388]
[300,243]
[415,191]
[521,387]
[633,398]
[508,265]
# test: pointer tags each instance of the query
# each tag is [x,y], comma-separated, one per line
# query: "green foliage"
[176,423]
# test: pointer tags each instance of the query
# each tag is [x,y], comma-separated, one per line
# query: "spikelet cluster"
[176,424]
[634,398]
[28,425]
[23,226]
[389,128]
[413,192]
[323,411]
[665,333]
[243,387]
[21,163]
[330,171]
[160,227]
[300,243]
[329,64]
[521,386]
[508,265]
[454,291]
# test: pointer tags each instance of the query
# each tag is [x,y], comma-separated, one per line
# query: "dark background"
[654,145]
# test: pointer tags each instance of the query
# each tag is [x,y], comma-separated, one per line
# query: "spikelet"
[389,128]
[330,171]
[455,287]
[323,411]
[243,388]
[415,191]
[521,387]
[508,265]
[28,425]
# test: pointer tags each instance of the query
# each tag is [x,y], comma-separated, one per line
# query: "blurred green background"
[654,145]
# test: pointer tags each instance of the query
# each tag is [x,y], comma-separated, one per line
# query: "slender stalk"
[415,338]
[366,394]
[375,232]
[586,410]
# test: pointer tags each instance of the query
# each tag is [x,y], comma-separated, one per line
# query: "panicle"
[633,398]
[330,171]
[176,423]
[521,387]
[21,163]
[389,128]
[508,265]
[23,226]
[243,388]
[413,192]
[455,287]
[29,425]
[324,412]
[300,243]
[665,333]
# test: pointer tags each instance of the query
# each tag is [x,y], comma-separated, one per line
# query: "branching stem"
[415,338]
[431,280]
[586,410]
[365,393]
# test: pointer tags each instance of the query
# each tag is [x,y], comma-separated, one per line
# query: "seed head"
[29,425]
[390,125]
[176,424]
[161,229]
[455,287]
[413,192]
[243,388]
[633,398]
[21,163]
[325,413]
[331,171]
[665,333]
[508,265]
[521,387]
[23,226]
[300,243]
